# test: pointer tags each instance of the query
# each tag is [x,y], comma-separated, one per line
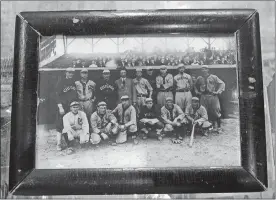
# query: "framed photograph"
[137,102]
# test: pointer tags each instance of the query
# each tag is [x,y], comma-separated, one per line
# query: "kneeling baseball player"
[150,119]
[75,126]
[126,115]
[173,117]
[196,115]
[103,124]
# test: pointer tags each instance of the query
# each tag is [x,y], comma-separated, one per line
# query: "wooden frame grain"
[30,26]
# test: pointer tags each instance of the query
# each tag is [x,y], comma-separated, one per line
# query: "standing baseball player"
[106,90]
[164,85]
[152,81]
[210,86]
[197,115]
[150,119]
[65,94]
[125,86]
[173,117]
[103,124]
[126,115]
[86,92]
[75,126]
[183,84]
[142,87]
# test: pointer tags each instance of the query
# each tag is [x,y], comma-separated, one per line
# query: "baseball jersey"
[66,92]
[164,83]
[210,84]
[183,81]
[142,86]
[79,120]
[200,113]
[85,90]
[171,114]
[106,91]
[99,122]
[153,112]
[126,116]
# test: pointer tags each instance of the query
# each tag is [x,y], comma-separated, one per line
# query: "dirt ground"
[215,150]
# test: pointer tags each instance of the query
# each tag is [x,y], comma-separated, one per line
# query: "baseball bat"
[192,136]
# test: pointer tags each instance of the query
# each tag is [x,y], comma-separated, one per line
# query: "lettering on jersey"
[66,89]
[106,86]
[80,122]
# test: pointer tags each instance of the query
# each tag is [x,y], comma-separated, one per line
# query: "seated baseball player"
[126,115]
[150,119]
[173,117]
[196,114]
[75,126]
[103,123]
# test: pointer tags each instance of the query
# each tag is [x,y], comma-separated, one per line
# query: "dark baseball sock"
[219,122]
[65,135]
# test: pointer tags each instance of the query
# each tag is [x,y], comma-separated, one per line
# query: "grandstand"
[193,53]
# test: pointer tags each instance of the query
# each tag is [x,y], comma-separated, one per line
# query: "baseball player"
[65,94]
[125,86]
[150,119]
[152,81]
[106,90]
[183,84]
[173,117]
[164,85]
[142,87]
[126,115]
[75,126]
[103,123]
[86,92]
[197,114]
[210,86]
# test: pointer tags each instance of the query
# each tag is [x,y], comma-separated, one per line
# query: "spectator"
[93,64]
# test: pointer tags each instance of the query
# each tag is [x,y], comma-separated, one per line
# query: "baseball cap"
[163,67]
[180,65]
[70,69]
[102,103]
[205,67]
[169,99]
[138,70]
[149,68]
[84,70]
[125,97]
[195,99]
[106,71]
[148,100]
[74,103]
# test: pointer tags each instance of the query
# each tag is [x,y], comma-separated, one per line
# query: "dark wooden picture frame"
[251,176]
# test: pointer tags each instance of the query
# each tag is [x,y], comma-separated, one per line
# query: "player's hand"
[74,127]
[122,127]
[215,93]
[143,120]
[61,111]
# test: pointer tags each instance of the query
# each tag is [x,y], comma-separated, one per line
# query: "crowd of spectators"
[135,59]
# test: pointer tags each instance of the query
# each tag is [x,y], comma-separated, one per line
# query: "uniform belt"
[141,95]
[182,90]
[86,100]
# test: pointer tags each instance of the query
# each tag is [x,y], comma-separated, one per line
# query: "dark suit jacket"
[126,89]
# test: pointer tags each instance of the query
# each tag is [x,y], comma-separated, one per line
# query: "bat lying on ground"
[192,136]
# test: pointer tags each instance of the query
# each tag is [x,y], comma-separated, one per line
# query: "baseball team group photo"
[139,101]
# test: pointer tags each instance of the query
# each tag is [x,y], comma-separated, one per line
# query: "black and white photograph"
[146,102]
[137,101]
